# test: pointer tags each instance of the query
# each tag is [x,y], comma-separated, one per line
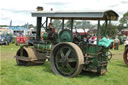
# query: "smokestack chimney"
[39,8]
[51,9]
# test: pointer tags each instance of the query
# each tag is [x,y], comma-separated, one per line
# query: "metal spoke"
[68,53]
[60,66]
[69,67]
[72,60]
[61,53]
[59,60]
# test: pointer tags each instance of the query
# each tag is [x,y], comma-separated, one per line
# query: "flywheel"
[65,36]
[67,59]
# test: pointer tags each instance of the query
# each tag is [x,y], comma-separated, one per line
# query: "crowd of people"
[116,41]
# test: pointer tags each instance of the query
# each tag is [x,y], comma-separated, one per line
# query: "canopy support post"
[46,23]
[62,23]
[106,27]
[38,30]
[109,27]
[98,29]
[72,24]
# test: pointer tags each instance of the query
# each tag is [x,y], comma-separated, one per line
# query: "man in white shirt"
[116,43]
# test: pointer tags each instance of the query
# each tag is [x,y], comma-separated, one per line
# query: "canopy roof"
[79,15]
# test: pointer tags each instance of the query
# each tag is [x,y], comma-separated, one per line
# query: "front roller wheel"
[21,62]
[22,52]
[27,56]
[67,59]
[125,56]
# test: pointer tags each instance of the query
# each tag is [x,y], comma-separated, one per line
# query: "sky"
[19,11]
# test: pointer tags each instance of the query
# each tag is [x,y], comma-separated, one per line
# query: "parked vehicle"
[21,39]
[4,40]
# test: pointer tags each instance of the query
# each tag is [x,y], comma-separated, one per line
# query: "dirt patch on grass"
[8,52]
[117,54]
[5,55]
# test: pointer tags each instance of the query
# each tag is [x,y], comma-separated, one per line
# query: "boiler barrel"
[42,47]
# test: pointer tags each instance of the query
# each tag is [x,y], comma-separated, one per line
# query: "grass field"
[11,74]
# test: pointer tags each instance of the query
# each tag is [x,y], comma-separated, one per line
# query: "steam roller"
[67,48]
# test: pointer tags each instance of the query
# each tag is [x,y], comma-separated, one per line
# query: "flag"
[27,26]
[10,24]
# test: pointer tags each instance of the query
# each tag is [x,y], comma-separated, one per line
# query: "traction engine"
[69,52]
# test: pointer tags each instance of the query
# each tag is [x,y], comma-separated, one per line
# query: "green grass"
[11,74]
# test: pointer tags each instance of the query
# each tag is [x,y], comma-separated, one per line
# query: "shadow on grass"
[119,64]
[47,68]
[89,74]
[31,65]
[122,65]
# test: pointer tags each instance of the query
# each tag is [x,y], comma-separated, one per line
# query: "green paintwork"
[65,36]
[42,47]
[45,36]
[97,56]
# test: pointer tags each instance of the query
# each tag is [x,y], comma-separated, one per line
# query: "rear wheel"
[125,56]
[67,59]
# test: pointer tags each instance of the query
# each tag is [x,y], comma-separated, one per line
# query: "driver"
[51,27]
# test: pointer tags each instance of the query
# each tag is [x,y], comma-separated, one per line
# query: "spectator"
[116,43]
[51,27]
[90,40]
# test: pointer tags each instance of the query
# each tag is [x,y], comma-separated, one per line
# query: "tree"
[68,24]
[28,26]
[86,24]
[79,24]
[112,32]
[3,25]
[124,20]
[120,27]
[56,23]
[31,26]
